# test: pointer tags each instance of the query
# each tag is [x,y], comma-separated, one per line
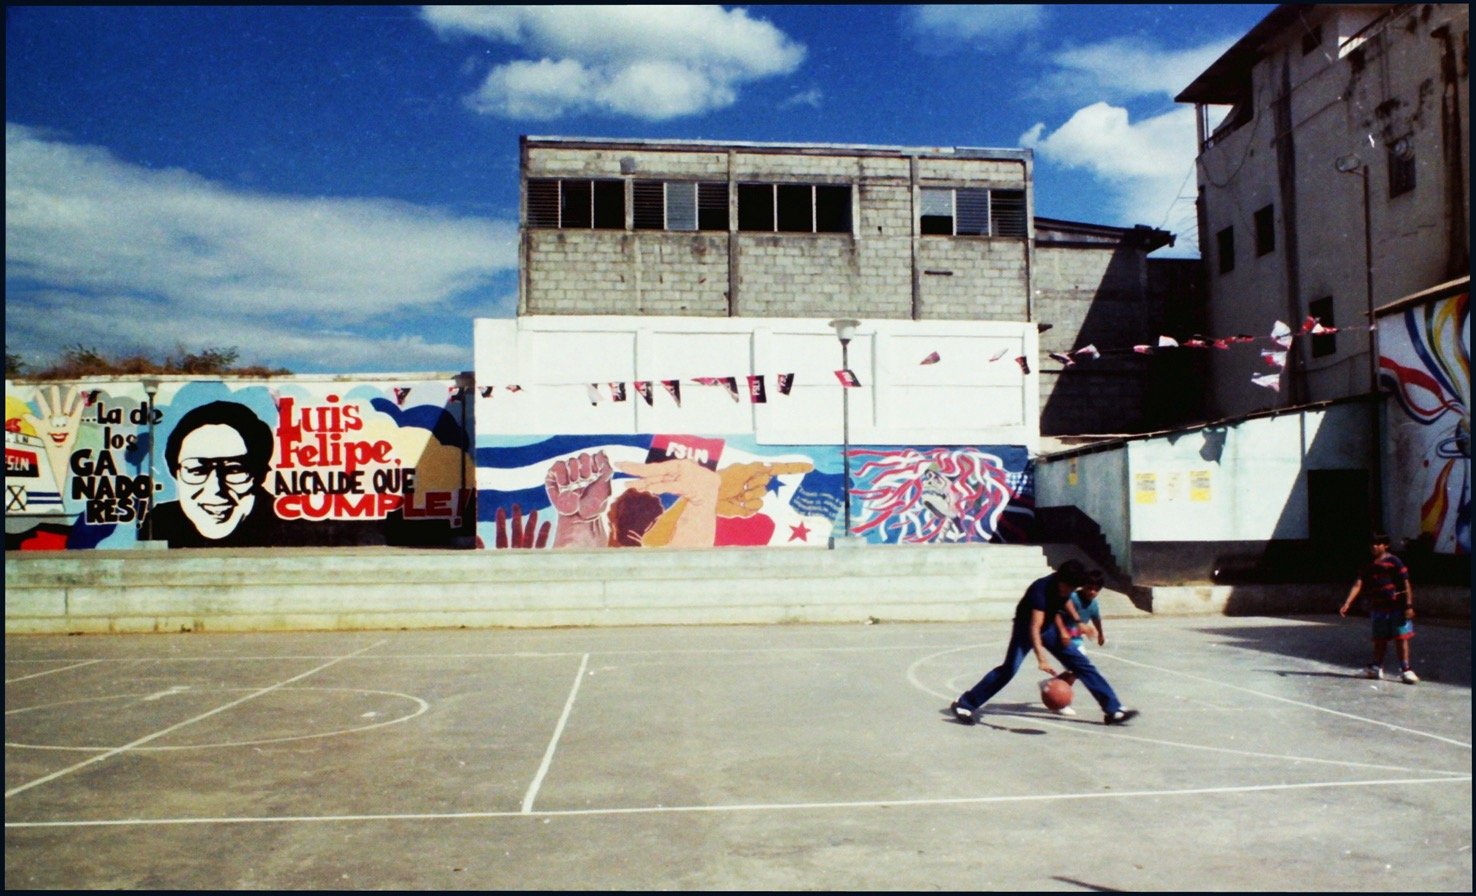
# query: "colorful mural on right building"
[1425,363]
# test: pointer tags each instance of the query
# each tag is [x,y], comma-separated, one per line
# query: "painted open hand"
[58,426]
[579,489]
[692,520]
[520,535]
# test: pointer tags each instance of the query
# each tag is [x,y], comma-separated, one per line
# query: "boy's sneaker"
[1374,672]
[962,713]
[1408,677]
[1117,718]
[1064,711]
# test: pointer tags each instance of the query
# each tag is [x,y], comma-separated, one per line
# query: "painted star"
[799,532]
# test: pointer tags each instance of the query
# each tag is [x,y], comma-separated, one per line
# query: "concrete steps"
[376,588]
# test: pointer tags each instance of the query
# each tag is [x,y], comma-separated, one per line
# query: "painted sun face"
[215,483]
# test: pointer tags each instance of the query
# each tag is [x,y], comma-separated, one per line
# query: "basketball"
[1055,693]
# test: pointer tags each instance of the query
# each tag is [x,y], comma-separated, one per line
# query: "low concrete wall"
[1439,601]
[374,588]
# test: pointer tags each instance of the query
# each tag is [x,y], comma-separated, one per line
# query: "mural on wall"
[216,464]
[1425,362]
[668,490]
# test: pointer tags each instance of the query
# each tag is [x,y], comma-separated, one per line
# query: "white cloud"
[991,27]
[812,98]
[648,62]
[99,246]
[1143,165]
[1123,69]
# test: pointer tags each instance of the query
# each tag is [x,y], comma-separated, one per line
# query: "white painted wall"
[1256,491]
[965,398]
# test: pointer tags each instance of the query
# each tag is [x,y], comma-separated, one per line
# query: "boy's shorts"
[1391,625]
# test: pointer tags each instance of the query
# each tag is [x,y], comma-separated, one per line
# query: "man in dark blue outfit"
[1035,629]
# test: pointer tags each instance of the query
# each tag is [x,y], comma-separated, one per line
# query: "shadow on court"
[733,757]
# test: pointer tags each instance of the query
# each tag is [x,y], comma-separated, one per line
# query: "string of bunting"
[1281,337]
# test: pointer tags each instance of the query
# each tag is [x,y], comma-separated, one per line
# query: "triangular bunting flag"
[1167,342]
[1281,334]
[401,393]
[486,391]
[511,388]
[933,358]
[1088,351]
[1143,349]
[1024,364]
[1275,359]
[786,382]
[593,390]
[617,391]
[756,393]
[999,354]
[643,388]
[731,384]
[675,388]
[847,378]
[1064,358]
[1271,381]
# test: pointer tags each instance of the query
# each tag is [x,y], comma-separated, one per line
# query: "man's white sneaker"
[1064,711]
[1408,677]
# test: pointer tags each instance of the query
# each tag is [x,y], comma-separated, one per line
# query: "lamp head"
[1348,163]
[151,386]
[845,328]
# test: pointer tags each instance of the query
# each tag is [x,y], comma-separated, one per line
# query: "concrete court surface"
[734,758]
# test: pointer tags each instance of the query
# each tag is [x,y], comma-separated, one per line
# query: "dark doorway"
[1338,520]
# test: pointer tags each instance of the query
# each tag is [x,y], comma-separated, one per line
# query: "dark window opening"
[543,203]
[712,206]
[1007,213]
[792,208]
[1225,249]
[576,204]
[832,209]
[648,200]
[1326,343]
[795,203]
[1401,171]
[1312,40]
[756,207]
[1265,231]
[936,215]
[609,204]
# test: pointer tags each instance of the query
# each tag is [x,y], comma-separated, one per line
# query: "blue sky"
[335,189]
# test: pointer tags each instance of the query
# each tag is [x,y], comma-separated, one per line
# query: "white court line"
[509,654]
[178,725]
[743,807]
[1121,734]
[52,671]
[553,744]
[1336,712]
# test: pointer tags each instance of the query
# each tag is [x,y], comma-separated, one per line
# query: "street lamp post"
[845,330]
[151,389]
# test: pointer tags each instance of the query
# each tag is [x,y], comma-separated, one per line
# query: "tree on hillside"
[81,360]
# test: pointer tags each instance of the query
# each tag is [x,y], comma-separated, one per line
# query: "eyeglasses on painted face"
[197,470]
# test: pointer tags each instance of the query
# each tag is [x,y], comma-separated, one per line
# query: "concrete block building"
[1337,183]
[775,230]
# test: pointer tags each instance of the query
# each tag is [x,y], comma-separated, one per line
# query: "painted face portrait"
[215,480]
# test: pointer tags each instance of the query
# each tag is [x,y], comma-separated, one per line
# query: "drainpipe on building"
[916,283]
[1458,253]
